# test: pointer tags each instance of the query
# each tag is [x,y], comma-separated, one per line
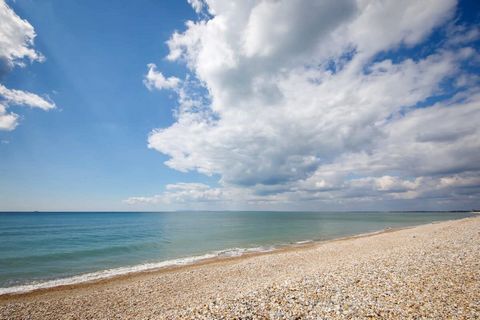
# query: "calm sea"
[47,249]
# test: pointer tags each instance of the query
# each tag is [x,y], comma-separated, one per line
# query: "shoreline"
[197,261]
[305,244]
[424,271]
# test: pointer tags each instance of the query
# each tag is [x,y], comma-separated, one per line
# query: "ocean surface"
[47,249]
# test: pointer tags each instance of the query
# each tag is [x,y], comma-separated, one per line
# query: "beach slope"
[429,271]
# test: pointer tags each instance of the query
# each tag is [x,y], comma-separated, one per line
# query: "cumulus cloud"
[197,5]
[317,100]
[16,38]
[16,47]
[156,80]
[8,121]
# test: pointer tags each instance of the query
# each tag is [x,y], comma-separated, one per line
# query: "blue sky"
[96,138]
[240,108]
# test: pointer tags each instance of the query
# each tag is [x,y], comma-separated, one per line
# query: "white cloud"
[8,121]
[201,196]
[182,193]
[156,80]
[19,97]
[389,183]
[16,38]
[460,34]
[280,142]
[300,106]
[197,5]
[16,45]
[382,25]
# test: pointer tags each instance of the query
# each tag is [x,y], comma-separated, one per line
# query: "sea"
[47,249]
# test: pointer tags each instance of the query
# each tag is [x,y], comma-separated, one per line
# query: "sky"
[239,105]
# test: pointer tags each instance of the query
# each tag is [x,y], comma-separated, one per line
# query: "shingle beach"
[430,271]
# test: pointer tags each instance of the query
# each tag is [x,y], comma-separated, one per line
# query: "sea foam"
[110,273]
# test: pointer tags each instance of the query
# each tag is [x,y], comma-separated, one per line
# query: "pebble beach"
[426,272]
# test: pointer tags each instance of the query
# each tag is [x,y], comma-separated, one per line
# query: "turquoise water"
[36,248]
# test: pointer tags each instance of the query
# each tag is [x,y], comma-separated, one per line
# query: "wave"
[304,241]
[110,273]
